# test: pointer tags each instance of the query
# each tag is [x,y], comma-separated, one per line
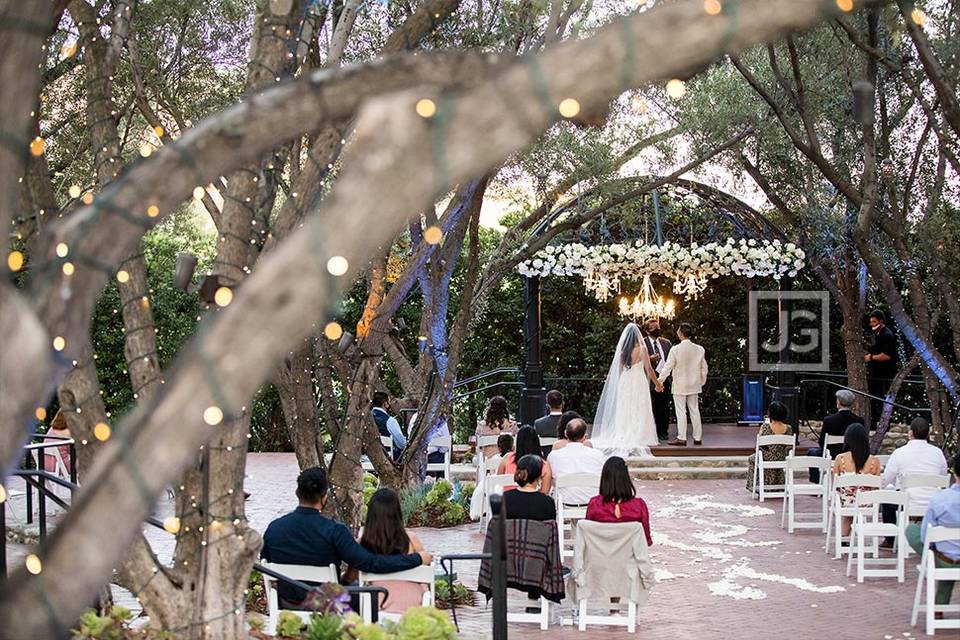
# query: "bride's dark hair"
[630,341]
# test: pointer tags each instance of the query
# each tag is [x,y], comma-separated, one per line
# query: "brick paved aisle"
[726,568]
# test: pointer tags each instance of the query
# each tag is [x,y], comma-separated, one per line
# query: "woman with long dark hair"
[855,458]
[775,425]
[618,501]
[384,533]
[527,501]
[496,421]
[528,444]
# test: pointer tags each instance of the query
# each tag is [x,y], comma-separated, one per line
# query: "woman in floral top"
[855,458]
[496,422]
[775,425]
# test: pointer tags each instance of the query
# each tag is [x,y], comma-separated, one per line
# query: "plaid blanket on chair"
[533,560]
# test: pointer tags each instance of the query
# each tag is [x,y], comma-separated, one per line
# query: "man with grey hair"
[835,425]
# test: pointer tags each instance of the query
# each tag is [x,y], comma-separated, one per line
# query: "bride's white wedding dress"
[624,423]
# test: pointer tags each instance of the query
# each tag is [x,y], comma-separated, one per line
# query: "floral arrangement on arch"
[690,267]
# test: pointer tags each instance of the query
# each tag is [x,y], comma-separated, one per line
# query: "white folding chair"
[793,489]
[838,511]
[486,467]
[883,461]
[421,575]
[917,508]
[547,442]
[445,442]
[491,485]
[829,440]
[568,513]
[484,441]
[867,523]
[760,465]
[301,572]
[930,574]
[387,442]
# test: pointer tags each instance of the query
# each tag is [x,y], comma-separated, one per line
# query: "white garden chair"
[867,524]
[387,442]
[930,574]
[485,441]
[445,442]
[547,442]
[760,465]
[883,461]
[829,440]
[493,484]
[917,508]
[838,511]
[421,575]
[793,489]
[301,572]
[568,514]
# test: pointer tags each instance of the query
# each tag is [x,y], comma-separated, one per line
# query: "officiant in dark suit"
[659,348]
[546,427]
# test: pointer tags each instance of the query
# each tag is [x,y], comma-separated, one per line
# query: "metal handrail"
[864,394]
[487,374]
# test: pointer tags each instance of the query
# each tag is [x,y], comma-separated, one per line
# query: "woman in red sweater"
[618,501]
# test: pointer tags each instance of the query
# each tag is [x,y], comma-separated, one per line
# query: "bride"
[624,421]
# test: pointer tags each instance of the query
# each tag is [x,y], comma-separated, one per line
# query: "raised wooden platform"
[720,439]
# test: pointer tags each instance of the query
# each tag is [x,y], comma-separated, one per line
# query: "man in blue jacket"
[306,537]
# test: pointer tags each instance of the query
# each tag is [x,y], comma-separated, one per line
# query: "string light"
[918,16]
[171,524]
[198,193]
[74,191]
[433,235]
[158,130]
[122,276]
[68,268]
[568,107]
[87,198]
[845,5]
[68,50]
[41,414]
[62,250]
[712,7]
[223,296]
[59,343]
[37,146]
[337,265]
[333,330]
[33,564]
[153,211]
[426,108]
[101,431]
[213,416]
[15,261]
[676,88]
[145,150]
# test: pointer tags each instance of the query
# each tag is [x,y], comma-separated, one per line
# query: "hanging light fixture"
[647,304]
[601,284]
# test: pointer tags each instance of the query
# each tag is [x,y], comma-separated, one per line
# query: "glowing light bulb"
[426,108]
[337,265]
[101,431]
[569,107]
[213,416]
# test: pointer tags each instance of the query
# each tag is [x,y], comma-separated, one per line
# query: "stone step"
[688,461]
[688,473]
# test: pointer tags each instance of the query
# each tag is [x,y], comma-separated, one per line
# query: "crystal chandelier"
[692,285]
[601,284]
[647,304]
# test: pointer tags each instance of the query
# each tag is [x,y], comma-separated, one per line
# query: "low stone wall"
[896,436]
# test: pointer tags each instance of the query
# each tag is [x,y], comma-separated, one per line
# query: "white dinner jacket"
[687,364]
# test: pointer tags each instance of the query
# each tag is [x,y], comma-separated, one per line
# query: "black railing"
[38,449]
[821,402]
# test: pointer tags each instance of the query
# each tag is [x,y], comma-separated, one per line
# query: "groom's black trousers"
[661,409]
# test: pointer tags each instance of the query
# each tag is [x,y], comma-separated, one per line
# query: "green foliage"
[113,625]
[289,625]
[324,628]
[439,505]
[256,594]
[449,595]
[425,623]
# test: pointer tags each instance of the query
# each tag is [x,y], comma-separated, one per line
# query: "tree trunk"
[294,383]
[856,368]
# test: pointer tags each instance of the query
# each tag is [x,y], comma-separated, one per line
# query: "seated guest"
[942,511]
[562,430]
[576,457]
[496,421]
[855,458]
[835,424]
[618,501]
[918,457]
[384,534]
[387,425]
[58,427]
[306,537]
[546,426]
[528,444]
[527,502]
[775,425]
[505,444]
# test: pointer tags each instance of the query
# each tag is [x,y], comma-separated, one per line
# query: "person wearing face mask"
[881,359]
[659,348]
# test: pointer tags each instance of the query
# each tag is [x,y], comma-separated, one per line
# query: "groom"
[687,364]
[659,349]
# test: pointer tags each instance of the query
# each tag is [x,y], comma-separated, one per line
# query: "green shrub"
[449,595]
[289,625]
[424,623]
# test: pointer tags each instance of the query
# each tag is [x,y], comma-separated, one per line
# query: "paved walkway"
[725,567]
